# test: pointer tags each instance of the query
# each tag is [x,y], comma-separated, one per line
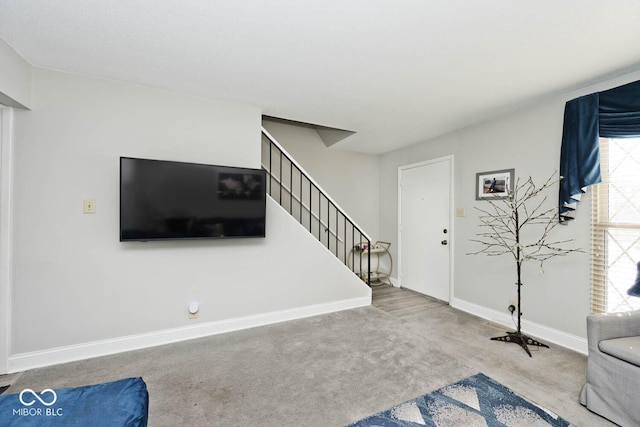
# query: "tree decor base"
[520,339]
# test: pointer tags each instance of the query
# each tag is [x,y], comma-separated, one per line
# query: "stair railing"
[294,189]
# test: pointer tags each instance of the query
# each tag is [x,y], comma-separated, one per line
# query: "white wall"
[529,141]
[75,284]
[350,178]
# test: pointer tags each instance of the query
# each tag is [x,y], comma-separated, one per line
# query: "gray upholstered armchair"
[613,368]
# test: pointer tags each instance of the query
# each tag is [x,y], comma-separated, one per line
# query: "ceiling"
[395,72]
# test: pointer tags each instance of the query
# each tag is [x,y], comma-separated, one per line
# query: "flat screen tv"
[165,200]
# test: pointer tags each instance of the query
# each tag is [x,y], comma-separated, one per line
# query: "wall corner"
[15,79]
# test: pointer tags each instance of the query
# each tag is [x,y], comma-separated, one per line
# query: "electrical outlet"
[194,309]
[514,304]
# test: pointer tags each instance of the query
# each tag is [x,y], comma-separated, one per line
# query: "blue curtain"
[614,113]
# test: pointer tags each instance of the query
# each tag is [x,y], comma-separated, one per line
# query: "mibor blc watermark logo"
[47,398]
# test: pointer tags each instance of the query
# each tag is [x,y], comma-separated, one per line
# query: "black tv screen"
[164,200]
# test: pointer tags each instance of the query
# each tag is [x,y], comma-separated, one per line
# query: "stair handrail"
[305,207]
[308,176]
[359,247]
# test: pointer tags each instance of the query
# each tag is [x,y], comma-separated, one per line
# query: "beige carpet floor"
[330,370]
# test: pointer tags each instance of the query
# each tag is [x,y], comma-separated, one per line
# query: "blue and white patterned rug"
[474,401]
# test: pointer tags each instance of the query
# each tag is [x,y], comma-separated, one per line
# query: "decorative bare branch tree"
[504,222]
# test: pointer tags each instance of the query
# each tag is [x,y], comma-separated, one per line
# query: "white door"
[424,233]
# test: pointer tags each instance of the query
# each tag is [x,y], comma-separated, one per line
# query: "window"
[616,226]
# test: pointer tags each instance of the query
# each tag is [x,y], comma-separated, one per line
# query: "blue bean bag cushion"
[119,403]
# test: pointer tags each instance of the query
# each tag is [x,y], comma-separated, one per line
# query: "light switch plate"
[89,206]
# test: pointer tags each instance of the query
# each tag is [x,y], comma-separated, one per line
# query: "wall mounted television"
[166,200]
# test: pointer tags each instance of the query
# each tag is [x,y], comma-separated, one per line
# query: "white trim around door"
[6,184]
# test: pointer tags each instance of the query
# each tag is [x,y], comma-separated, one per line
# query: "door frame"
[451,233]
[6,255]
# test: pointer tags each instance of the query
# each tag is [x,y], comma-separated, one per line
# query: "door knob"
[444,242]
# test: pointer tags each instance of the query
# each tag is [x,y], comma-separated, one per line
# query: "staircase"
[290,186]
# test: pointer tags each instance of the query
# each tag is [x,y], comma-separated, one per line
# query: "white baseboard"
[25,361]
[544,333]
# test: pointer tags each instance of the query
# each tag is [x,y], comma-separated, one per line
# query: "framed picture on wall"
[494,184]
